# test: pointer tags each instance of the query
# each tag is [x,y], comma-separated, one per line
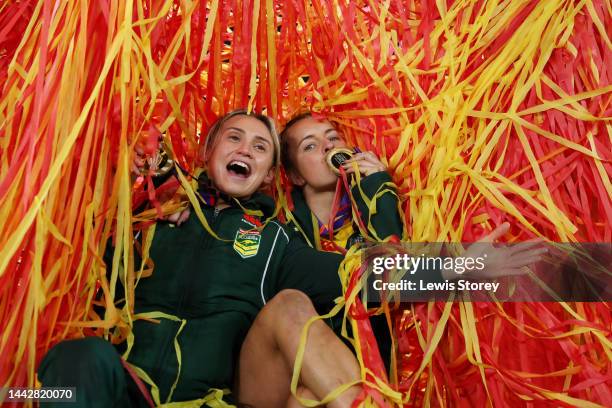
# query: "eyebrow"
[310,136]
[304,139]
[263,139]
[235,128]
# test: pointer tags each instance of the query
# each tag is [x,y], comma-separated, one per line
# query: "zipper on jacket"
[187,293]
[208,239]
[186,298]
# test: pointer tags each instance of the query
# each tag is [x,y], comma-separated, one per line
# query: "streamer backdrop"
[485,111]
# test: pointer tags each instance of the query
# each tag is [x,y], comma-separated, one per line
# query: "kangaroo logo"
[247,242]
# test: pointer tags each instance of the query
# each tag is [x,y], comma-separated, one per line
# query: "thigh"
[263,377]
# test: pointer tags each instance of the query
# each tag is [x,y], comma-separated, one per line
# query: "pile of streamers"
[485,111]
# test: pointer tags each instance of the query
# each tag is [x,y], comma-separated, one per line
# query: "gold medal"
[336,158]
[160,163]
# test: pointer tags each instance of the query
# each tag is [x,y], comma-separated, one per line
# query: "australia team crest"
[247,242]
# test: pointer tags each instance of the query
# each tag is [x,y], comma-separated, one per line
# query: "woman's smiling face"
[241,156]
[308,141]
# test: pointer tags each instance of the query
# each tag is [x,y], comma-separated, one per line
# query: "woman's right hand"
[367,163]
[138,163]
[179,217]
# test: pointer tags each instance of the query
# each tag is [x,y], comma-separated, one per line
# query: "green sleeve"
[313,272]
[382,216]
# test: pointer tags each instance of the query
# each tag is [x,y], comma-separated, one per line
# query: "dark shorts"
[95,369]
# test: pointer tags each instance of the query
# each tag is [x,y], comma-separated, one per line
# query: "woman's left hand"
[367,162]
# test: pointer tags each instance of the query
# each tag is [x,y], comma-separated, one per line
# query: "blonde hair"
[213,133]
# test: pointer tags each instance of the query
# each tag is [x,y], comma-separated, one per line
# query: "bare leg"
[302,392]
[268,355]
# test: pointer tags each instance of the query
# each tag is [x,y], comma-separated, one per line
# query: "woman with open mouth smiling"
[243,150]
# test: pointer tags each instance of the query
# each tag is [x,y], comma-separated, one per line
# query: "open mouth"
[238,168]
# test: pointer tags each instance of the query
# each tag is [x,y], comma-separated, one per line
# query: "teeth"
[239,167]
[239,163]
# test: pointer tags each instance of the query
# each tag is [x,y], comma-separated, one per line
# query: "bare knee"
[290,309]
[281,319]
[291,298]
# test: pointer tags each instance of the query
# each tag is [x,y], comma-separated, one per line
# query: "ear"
[204,157]
[295,178]
[269,177]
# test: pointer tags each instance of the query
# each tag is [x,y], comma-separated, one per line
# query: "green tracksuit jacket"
[384,222]
[217,288]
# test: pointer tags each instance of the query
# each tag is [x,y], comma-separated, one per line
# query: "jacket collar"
[304,215]
[256,202]
[301,213]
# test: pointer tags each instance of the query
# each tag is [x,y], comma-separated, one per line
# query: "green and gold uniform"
[377,203]
[205,293]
